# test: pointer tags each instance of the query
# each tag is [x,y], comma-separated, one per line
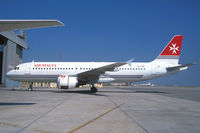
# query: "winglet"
[129,62]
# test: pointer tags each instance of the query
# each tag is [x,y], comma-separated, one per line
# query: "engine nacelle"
[66,82]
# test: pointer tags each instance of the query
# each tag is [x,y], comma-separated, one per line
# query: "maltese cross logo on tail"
[174,48]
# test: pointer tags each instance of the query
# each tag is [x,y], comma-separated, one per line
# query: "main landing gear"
[93,89]
[30,88]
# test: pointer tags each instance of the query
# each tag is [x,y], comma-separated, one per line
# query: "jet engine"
[66,82]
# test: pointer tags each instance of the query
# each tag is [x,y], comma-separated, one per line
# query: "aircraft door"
[28,69]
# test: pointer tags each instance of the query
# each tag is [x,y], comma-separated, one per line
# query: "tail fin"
[172,51]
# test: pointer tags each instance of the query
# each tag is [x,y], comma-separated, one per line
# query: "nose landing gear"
[30,88]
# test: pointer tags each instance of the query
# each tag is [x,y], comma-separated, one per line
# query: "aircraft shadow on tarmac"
[14,104]
[88,92]
[156,92]
[151,92]
[99,93]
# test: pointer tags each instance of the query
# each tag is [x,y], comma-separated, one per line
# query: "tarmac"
[138,109]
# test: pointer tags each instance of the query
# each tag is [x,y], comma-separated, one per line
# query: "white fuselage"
[74,74]
[50,71]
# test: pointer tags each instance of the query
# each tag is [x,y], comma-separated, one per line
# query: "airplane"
[70,75]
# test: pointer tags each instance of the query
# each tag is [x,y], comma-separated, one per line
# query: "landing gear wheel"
[93,89]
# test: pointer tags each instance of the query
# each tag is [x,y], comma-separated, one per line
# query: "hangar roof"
[10,25]
[7,27]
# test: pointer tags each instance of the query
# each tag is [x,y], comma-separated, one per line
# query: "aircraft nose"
[9,74]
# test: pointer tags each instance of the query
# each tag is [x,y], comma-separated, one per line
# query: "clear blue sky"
[103,30]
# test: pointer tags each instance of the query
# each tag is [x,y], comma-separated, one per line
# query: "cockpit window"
[16,68]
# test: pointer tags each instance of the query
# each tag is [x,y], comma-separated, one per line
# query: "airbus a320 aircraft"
[73,74]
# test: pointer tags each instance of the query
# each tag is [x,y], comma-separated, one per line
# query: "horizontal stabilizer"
[179,67]
[10,25]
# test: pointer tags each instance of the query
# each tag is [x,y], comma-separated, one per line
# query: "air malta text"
[44,65]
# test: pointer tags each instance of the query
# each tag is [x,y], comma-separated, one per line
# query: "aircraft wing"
[10,25]
[179,67]
[93,75]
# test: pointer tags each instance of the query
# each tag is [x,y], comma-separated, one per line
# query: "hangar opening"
[11,48]
[2,43]
[1,63]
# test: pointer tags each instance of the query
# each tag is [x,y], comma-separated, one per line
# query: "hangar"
[11,47]
[12,44]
